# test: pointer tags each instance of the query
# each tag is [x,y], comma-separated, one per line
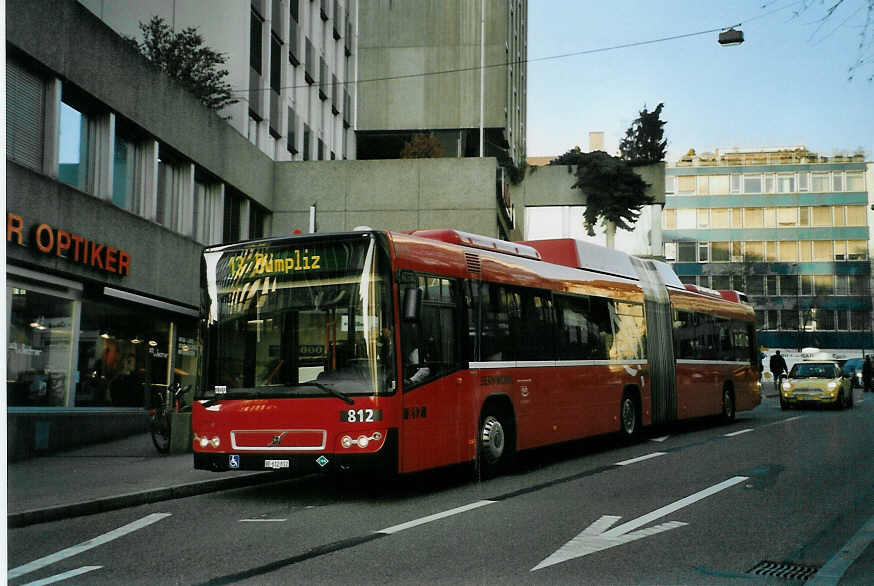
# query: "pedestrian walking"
[778,368]
[866,374]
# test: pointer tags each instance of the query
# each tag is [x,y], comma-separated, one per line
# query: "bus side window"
[430,344]
[601,332]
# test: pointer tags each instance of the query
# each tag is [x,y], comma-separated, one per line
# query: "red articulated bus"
[408,351]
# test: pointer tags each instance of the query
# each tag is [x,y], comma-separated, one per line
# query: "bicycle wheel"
[160,428]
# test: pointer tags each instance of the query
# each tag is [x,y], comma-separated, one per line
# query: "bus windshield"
[299,318]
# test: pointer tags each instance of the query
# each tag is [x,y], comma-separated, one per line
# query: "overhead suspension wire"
[522,61]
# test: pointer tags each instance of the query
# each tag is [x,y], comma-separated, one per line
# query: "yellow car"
[816,382]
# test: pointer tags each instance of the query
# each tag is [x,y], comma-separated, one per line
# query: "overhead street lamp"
[731,37]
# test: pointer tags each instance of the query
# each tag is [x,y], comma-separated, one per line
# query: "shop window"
[39,348]
[123,352]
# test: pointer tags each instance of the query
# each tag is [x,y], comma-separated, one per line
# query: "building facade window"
[73,147]
[25,116]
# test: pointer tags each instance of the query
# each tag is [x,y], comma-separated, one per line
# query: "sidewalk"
[106,476]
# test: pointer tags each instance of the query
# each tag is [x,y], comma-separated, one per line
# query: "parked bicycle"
[165,402]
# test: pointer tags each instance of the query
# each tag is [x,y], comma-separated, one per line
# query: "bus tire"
[629,415]
[728,407]
[495,443]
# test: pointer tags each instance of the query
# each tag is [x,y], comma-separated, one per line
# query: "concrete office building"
[790,228]
[444,39]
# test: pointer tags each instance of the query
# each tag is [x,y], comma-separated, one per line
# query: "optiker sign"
[70,246]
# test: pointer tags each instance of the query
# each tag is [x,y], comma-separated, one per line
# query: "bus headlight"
[363,440]
[205,442]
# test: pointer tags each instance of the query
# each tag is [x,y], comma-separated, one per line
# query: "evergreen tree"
[185,58]
[644,141]
[614,192]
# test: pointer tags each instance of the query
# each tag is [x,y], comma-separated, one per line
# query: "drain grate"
[786,570]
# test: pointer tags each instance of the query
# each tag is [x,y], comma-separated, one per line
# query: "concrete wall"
[396,195]
[156,252]
[551,185]
[402,38]
[106,67]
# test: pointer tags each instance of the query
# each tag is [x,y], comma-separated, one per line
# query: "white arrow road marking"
[599,536]
[659,439]
[64,576]
[86,545]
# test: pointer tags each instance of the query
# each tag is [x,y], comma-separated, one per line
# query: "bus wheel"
[728,410]
[629,416]
[494,447]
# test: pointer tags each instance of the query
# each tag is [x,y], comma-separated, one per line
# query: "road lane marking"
[734,433]
[659,439]
[434,517]
[263,520]
[834,569]
[640,459]
[598,536]
[86,545]
[64,576]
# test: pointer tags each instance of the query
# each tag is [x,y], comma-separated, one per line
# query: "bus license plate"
[277,464]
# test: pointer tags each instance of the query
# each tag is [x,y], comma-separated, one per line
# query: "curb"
[133,499]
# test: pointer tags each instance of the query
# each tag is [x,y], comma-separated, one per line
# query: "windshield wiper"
[333,391]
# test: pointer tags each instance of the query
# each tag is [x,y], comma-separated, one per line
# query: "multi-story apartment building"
[788,227]
[447,67]
[290,64]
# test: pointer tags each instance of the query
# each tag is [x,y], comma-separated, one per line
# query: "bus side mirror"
[412,301]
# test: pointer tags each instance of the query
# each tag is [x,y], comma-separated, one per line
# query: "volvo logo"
[277,439]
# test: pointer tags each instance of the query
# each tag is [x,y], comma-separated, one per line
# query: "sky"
[786,85]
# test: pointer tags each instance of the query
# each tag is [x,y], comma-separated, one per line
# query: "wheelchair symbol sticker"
[234,461]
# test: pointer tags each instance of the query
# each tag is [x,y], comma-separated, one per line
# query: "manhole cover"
[787,570]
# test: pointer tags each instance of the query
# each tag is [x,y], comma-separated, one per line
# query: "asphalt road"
[697,503]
